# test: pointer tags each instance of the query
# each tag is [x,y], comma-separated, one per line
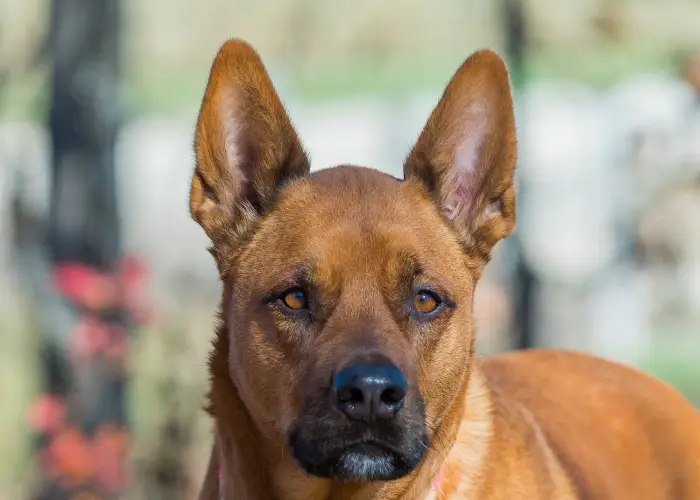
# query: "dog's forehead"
[352,218]
[360,188]
[353,202]
[352,194]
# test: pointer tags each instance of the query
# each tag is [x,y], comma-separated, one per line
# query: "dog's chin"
[361,462]
[370,462]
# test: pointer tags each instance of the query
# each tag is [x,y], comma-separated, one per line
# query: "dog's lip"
[369,445]
[376,459]
[369,460]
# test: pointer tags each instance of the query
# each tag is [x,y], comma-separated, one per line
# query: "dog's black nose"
[369,392]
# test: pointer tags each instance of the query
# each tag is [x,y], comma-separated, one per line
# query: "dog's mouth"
[328,444]
[362,461]
[370,461]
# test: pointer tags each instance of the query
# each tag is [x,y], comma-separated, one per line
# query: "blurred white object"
[618,316]
[567,225]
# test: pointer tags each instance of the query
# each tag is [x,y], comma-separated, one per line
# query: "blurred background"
[108,295]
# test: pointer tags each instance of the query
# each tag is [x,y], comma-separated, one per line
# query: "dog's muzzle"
[367,426]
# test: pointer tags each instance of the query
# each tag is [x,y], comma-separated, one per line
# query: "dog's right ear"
[466,154]
[245,145]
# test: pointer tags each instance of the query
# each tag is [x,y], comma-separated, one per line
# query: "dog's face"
[348,293]
[338,279]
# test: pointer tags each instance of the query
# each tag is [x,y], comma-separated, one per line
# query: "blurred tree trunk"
[80,420]
[84,121]
[513,17]
[525,281]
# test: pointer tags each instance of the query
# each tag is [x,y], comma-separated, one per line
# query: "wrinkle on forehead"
[350,222]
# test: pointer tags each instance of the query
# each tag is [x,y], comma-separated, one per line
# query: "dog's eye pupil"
[294,299]
[425,302]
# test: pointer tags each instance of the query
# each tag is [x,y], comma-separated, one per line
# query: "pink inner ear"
[464,172]
[230,129]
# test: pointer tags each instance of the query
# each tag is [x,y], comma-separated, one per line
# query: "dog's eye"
[425,302]
[295,299]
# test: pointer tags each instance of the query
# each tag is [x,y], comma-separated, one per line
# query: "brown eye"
[295,299]
[425,302]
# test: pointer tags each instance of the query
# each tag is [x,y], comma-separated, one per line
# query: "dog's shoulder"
[481,463]
[624,421]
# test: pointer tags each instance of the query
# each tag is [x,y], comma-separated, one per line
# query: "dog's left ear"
[466,154]
[246,147]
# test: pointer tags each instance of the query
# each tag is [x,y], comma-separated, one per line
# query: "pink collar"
[221,482]
[436,483]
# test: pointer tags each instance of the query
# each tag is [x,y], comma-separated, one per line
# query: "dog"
[343,364]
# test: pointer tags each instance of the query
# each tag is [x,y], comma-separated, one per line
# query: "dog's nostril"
[350,395]
[392,395]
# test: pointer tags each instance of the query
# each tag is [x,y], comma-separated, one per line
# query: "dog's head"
[348,293]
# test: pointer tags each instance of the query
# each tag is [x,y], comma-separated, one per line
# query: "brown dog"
[343,365]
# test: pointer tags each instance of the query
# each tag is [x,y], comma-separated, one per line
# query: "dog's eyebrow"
[303,275]
[408,268]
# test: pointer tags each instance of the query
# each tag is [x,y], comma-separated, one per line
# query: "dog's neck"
[251,466]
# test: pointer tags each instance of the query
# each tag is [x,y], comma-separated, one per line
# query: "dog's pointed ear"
[245,145]
[466,154]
